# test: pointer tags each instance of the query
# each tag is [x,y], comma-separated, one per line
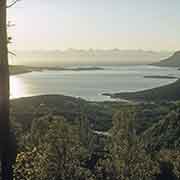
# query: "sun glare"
[16,87]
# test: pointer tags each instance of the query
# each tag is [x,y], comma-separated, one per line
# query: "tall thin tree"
[6,161]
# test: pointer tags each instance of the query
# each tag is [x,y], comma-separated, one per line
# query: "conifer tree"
[5,139]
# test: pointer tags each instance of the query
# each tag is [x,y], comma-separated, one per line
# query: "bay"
[91,84]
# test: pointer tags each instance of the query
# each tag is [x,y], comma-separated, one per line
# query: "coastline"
[168,92]
[20,69]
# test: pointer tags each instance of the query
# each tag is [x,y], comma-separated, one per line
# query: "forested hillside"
[67,138]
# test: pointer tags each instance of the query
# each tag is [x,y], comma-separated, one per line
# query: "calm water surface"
[90,84]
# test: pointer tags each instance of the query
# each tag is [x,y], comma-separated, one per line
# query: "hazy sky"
[124,24]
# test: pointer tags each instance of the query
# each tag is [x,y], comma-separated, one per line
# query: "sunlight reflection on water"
[90,84]
[16,87]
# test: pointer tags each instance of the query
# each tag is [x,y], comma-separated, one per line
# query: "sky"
[98,24]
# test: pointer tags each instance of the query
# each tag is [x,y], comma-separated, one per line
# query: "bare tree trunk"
[6,162]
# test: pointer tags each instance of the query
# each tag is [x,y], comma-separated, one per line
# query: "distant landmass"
[172,61]
[164,93]
[91,57]
[14,70]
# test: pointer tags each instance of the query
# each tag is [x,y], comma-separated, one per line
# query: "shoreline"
[20,69]
[162,93]
[74,97]
[168,92]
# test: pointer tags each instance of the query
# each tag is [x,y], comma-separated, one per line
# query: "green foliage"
[172,157]
[165,133]
[57,147]
[26,165]
[128,155]
[57,154]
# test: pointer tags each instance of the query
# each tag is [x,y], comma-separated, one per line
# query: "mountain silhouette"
[172,61]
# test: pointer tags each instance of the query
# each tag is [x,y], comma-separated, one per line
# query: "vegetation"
[64,138]
[61,143]
[53,153]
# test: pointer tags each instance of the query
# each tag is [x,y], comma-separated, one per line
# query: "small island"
[161,77]
[72,69]
[84,69]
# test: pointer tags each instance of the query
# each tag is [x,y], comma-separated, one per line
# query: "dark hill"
[29,108]
[172,61]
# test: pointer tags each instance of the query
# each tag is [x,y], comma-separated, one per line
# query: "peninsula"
[20,69]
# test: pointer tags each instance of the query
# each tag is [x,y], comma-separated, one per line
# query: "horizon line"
[97,49]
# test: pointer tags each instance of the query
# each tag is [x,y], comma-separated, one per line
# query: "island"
[72,69]
[161,77]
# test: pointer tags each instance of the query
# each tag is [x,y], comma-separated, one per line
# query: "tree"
[55,152]
[5,137]
[127,151]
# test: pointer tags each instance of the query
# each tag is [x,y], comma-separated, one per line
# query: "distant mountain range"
[92,57]
[172,61]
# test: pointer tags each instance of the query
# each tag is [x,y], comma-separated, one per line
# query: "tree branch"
[10,52]
[10,25]
[12,4]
